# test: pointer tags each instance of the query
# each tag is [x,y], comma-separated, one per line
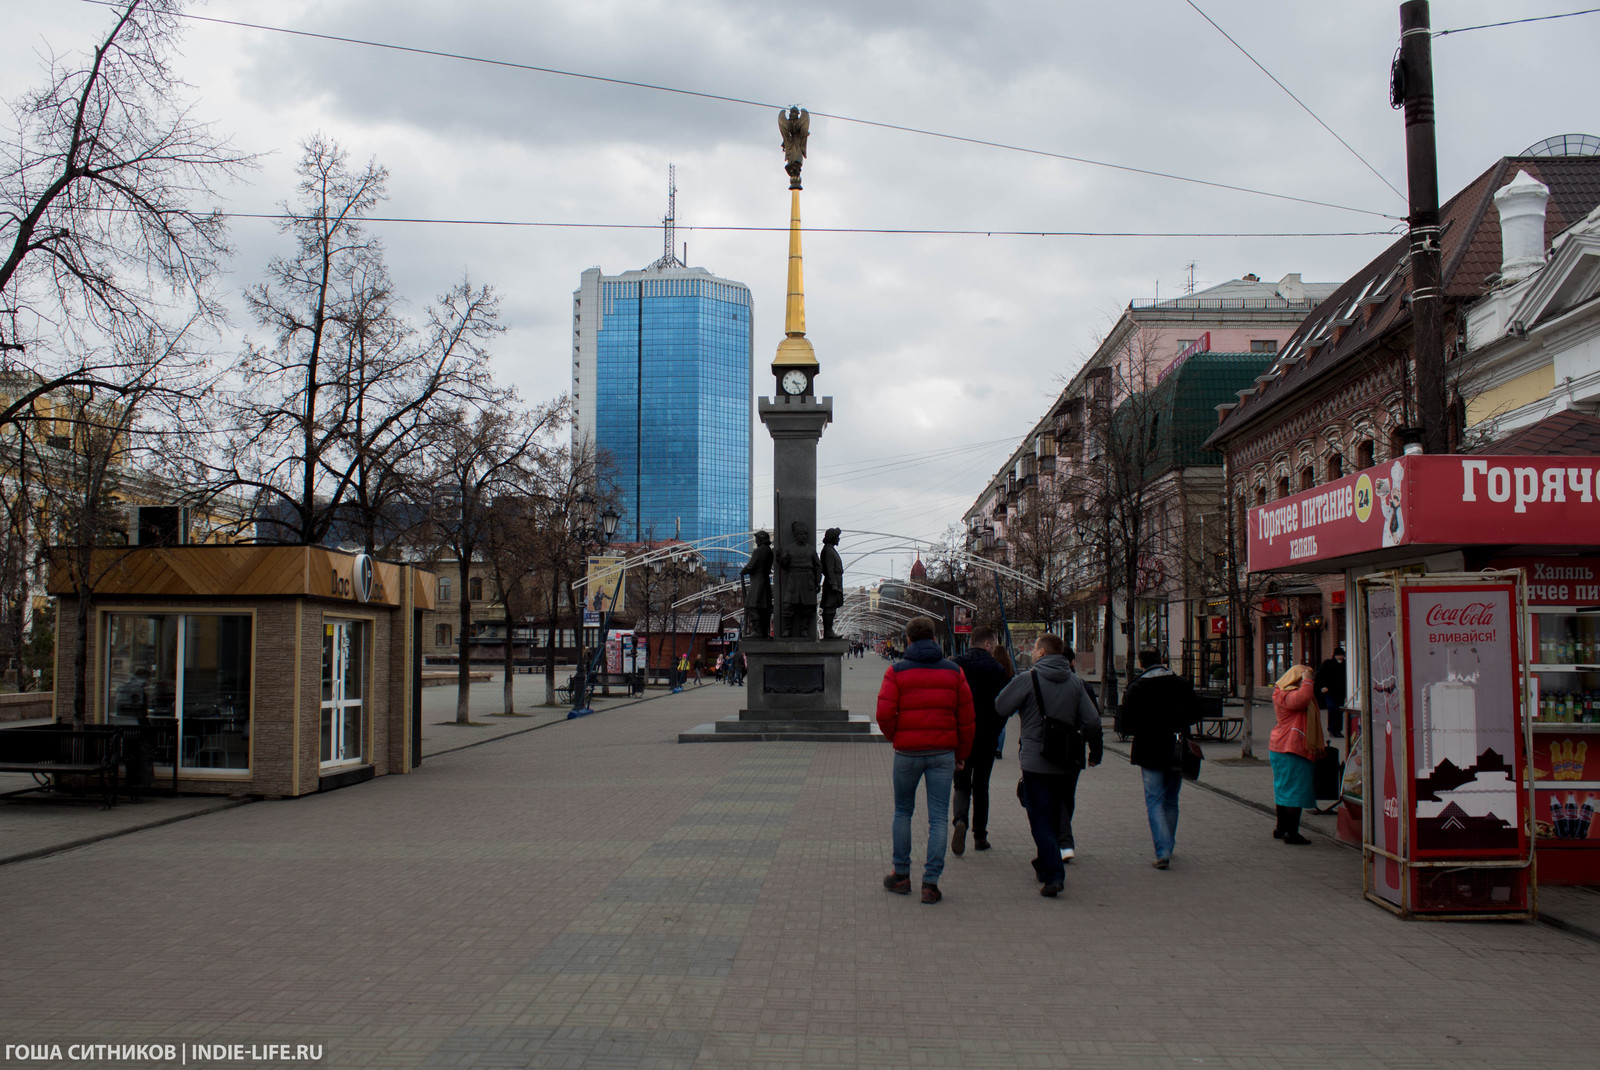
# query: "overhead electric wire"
[935,231]
[1303,105]
[724,98]
[1517,22]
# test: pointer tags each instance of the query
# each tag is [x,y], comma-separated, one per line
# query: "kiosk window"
[187,678]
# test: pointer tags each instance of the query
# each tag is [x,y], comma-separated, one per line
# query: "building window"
[1185,343]
[1308,478]
[1364,454]
[1283,487]
[187,676]
[444,589]
[475,588]
[1335,466]
[443,635]
[1263,345]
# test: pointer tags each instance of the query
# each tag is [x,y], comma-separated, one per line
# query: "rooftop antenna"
[1188,285]
[669,223]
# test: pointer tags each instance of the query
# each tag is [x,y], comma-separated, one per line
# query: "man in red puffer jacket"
[925,710]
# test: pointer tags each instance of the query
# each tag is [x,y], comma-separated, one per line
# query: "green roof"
[1183,405]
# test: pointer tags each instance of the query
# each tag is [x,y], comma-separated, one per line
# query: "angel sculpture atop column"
[795,126]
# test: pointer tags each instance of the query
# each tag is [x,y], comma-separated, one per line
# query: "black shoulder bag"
[1063,743]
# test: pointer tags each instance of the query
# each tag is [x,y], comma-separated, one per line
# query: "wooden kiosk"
[255,670]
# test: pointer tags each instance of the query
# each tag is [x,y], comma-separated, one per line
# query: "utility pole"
[1412,87]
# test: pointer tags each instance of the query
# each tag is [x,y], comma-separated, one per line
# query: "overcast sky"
[927,343]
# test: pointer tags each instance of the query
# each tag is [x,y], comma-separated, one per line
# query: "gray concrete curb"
[44,852]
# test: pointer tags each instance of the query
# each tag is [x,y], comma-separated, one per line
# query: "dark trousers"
[1335,717]
[1049,799]
[972,784]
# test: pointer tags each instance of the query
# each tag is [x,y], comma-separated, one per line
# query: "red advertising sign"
[1463,719]
[1431,500]
[1219,625]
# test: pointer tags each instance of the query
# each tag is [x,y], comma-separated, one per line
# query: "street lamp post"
[600,535]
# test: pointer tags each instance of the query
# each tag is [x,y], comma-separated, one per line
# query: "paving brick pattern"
[594,895]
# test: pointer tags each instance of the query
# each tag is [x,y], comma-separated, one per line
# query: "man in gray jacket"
[1049,789]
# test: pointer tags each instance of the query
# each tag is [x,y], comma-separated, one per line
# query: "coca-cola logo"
[1471,615]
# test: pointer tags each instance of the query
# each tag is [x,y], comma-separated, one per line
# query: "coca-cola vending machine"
[1448,829]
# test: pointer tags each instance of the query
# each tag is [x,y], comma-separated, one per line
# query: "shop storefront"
[1423,515]
[252,670]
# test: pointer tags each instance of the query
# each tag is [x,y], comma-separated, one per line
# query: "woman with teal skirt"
[1291,750]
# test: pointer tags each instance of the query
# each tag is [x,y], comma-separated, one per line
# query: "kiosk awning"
[1429,503]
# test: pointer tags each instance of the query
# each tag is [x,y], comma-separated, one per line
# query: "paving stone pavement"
[593,894]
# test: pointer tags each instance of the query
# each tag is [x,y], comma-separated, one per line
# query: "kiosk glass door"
[343,673]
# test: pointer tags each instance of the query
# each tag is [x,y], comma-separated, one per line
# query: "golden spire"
[795,350]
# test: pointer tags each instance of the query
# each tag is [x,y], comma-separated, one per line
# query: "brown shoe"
[898,883]
[930,893]
[958,838]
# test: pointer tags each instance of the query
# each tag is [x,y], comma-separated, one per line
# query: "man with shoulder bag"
[1157,711]
[1059,721]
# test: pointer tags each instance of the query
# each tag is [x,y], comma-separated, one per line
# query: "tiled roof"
[688,623]
[1565,434]
[1373,303]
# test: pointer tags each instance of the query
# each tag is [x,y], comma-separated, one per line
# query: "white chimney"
[1521,207]
[1290,288]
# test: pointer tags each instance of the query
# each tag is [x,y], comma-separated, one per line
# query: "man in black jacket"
[1329,682]
[985,677]
[1157,711]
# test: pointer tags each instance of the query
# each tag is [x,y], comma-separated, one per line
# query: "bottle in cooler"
[1571,814]
[1558,817]
[1585,815]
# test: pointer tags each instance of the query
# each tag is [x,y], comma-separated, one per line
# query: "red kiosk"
[1419,539]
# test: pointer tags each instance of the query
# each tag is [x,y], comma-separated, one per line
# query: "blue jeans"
[1161,802]
[939,769]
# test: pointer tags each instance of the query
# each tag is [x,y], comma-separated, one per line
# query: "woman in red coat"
[1291,751]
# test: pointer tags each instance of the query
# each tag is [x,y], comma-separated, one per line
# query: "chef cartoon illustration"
[1389,499]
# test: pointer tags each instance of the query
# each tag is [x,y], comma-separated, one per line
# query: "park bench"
[59,750]
[1215,721]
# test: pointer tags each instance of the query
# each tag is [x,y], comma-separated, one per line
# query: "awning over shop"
[1422,504]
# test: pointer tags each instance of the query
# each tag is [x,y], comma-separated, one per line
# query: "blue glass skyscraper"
[661,366]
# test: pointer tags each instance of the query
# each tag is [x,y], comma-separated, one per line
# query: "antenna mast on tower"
[669,223]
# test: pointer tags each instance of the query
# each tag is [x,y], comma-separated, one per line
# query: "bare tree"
[1124,445]
[338,404]
[473,459]
[100,235]
[570,472]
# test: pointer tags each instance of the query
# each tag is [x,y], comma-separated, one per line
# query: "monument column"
[795,678]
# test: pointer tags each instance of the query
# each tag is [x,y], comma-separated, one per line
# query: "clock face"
[793,382]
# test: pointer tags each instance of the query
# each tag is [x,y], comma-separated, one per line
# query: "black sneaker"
[898,883]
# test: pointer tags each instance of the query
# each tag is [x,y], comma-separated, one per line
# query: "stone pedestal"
[792,692]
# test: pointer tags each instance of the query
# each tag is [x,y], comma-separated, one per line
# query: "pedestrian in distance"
[1157,710]
[1330,685]
[1295,742]
[986,678]
[1051,689]
[925,712]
